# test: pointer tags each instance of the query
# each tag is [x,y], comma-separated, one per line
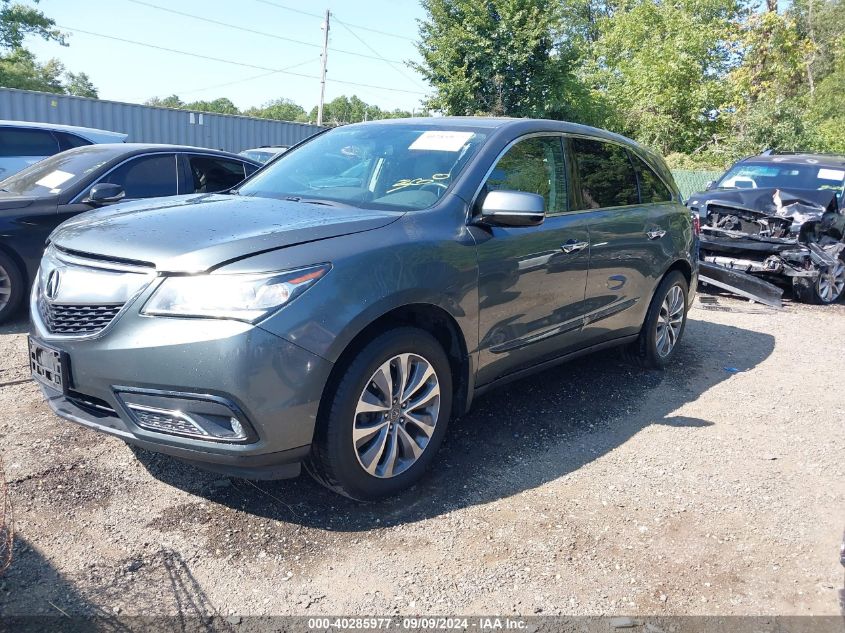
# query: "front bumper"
[274,386]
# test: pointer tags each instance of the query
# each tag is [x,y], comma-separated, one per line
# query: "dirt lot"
[717,487]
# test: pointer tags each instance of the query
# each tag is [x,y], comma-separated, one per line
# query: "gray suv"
[348,300]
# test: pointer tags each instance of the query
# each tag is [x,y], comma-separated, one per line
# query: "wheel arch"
[430,318]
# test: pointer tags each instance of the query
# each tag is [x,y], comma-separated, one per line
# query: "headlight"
[244,297]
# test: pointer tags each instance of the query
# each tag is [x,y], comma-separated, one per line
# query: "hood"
[188,234]
[9,202]
[768,200]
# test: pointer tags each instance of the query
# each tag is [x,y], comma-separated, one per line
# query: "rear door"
[205,173]
[21,147]
[623,257]
[531,279]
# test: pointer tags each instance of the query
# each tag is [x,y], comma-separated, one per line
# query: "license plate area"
[49,366]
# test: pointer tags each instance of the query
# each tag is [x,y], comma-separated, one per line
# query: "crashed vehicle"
[756,240]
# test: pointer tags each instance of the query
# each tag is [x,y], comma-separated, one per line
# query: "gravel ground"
[715,487]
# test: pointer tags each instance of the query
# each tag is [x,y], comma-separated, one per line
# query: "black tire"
[333,461]
[12,280]
[644,351]
[805,290]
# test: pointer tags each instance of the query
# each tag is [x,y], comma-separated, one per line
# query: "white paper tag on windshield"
[831,174]
[54,179]
[441,141]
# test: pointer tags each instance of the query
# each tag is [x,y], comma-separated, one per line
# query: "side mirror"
[710,184]
[104,193]
[513,208]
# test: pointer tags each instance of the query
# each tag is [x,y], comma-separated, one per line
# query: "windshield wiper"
[326,203]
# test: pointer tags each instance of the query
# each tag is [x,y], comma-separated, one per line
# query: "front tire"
[824,290]
[384,418]
[11,287]
[664,324]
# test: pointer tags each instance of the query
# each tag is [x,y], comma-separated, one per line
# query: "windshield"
[58,173]
[783,176]
[373,166]
[262,156]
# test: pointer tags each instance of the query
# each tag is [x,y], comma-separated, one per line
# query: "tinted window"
[535,165]
[212,174]
[652,188]
[606,174]
[68,141]
[146,177]
[23,142]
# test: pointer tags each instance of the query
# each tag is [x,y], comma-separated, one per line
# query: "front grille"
[76,319]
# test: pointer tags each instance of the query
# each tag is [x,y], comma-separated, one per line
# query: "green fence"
[691,181]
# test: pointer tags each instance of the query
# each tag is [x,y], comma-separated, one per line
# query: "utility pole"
[324,56]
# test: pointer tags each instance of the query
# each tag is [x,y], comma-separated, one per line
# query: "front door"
[531,279]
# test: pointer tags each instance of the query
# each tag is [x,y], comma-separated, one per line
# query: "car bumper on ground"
[225,395]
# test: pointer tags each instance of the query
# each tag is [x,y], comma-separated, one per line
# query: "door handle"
[573,246]
[655,234]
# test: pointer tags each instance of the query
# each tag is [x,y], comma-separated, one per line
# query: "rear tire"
[664,324]
[11,287]
[367,445]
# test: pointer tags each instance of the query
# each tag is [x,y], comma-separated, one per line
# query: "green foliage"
[218,106]
[280,110]
[343,110]
[499,57]
[80,85]
[18,20]
[19,68]
[661,66]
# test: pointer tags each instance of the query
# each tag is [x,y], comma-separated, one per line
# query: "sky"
[128,72]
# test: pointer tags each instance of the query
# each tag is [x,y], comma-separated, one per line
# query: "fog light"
[203,417]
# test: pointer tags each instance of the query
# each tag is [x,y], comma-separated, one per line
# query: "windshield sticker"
[832,174]
[54,179]
[441,141]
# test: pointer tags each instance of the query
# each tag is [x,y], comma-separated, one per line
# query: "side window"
[652,188]
[606,174]
[147,176]
[535,165]
[213,174]
[25,142]
[69,141]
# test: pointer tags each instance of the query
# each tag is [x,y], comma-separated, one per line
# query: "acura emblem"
[51,290]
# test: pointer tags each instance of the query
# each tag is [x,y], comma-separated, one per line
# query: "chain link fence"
[691,181]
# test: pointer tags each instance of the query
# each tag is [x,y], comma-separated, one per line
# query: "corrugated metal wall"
[145,124]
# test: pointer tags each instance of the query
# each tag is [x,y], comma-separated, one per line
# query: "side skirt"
[522,373]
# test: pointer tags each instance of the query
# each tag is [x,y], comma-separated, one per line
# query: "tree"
[80,85]
[18,20]
[280,110]
[173,101]
[499,57]
[20,69]
[659,68]
[219,106]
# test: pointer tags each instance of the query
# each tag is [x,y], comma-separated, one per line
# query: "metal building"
[147,124]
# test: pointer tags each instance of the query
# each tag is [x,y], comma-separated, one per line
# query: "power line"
[319,16]
[228,61]
[253,78]
[286,8]
[248,30]
[387,61]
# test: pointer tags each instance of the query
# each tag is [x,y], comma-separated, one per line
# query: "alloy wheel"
[831,283]
[5,287]
[396,415]
[670,321]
